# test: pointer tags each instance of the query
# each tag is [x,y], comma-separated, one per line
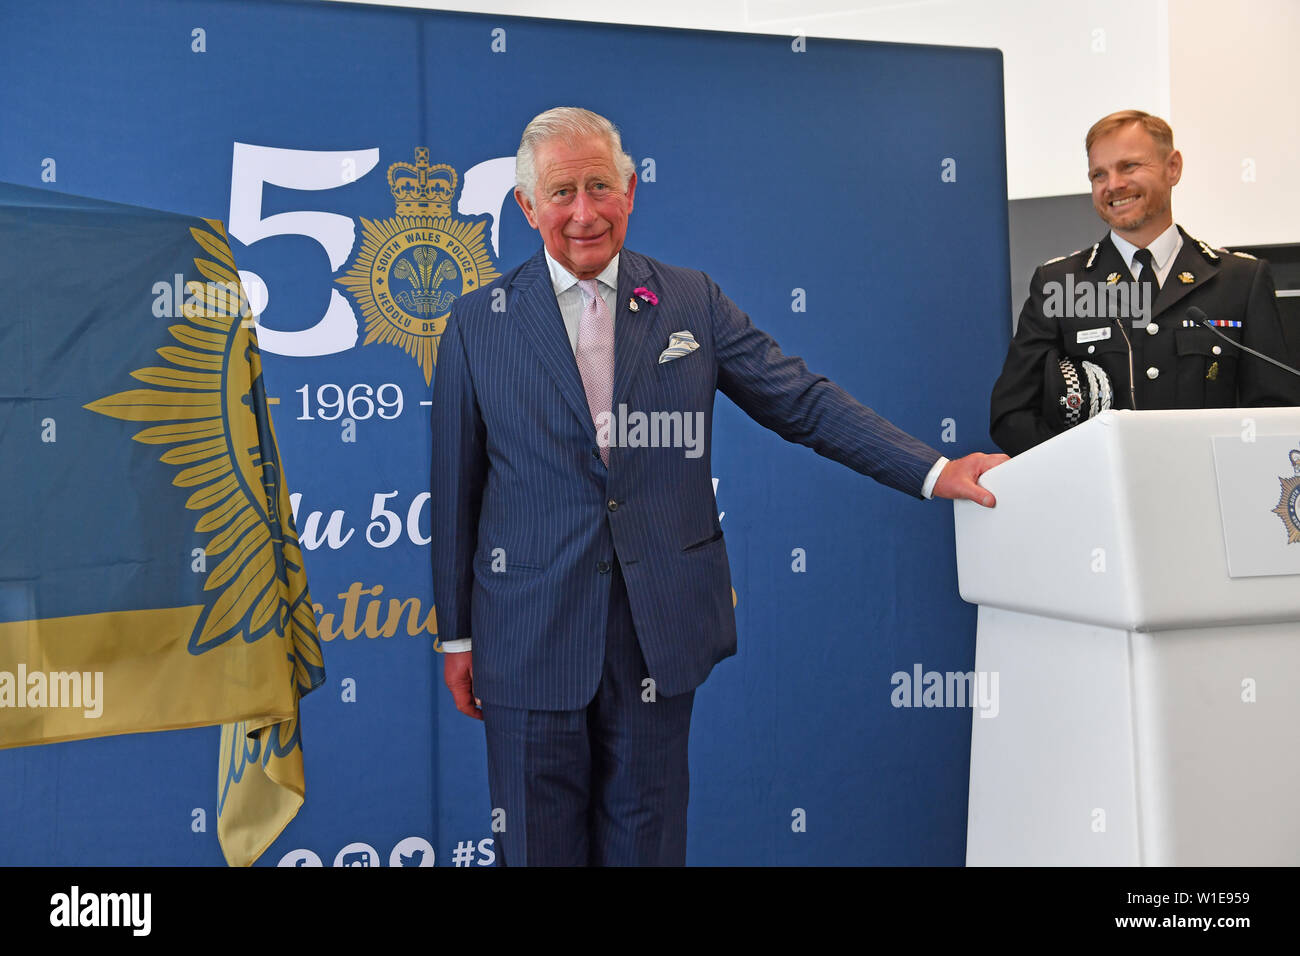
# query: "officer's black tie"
[1148,284]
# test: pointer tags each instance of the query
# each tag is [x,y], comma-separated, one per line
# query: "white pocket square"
[679,344]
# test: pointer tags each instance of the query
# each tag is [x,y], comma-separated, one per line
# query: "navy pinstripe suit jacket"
[515,468]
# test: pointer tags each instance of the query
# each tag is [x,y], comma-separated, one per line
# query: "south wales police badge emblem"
[1286,506]
[411,268]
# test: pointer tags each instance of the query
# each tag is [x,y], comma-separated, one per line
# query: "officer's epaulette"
[1207,251]
[1052,262]
[1092,255]
[1242,255]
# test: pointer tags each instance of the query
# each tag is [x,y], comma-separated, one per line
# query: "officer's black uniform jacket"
[1173,365]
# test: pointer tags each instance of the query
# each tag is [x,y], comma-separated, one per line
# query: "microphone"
[1196,315]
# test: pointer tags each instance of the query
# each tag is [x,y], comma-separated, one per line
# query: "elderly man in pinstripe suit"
[570,570]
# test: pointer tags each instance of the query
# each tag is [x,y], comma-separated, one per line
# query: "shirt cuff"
[927,489]
[456,647]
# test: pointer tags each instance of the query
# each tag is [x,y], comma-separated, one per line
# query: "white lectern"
[1139,593]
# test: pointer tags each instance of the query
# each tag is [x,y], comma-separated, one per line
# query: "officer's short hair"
[1154,125]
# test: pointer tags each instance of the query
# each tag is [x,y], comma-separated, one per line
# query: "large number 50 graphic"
[485,189]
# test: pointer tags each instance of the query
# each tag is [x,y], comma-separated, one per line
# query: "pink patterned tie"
[596,361]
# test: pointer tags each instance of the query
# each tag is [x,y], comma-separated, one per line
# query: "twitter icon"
[412,851]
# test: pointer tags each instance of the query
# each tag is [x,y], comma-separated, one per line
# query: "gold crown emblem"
[422,190]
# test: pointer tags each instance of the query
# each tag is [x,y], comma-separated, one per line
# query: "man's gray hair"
[571,124]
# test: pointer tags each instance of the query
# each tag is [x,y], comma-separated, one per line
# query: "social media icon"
[412,851]
[357,854]
[300,858]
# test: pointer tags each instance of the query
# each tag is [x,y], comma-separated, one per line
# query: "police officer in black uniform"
[1108,326]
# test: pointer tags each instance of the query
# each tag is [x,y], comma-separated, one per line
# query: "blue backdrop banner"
[850,196]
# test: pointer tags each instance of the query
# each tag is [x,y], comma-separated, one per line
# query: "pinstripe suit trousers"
[604,785]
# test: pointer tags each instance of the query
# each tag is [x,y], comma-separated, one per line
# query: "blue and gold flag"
[150,573]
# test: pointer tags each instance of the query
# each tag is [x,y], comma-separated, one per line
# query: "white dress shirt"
[1164,250]
[570,298]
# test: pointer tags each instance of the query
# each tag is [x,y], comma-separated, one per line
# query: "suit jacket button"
[1153,372]
[1152,329]
[1217,350]
[595,453]
[602,567]
[612,505]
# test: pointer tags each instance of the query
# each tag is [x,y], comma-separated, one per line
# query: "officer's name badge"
[1092,335]
[1186,278]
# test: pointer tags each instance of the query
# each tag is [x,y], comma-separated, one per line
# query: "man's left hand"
[960,478]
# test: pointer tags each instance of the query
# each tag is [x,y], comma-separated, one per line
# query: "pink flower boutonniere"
[646,295]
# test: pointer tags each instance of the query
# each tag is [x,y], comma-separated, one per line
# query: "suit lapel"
[1106,262]
[1189,261]
[538,315]
[632,339]
[1105,265]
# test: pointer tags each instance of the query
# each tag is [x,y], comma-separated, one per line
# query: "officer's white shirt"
[1164,250]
